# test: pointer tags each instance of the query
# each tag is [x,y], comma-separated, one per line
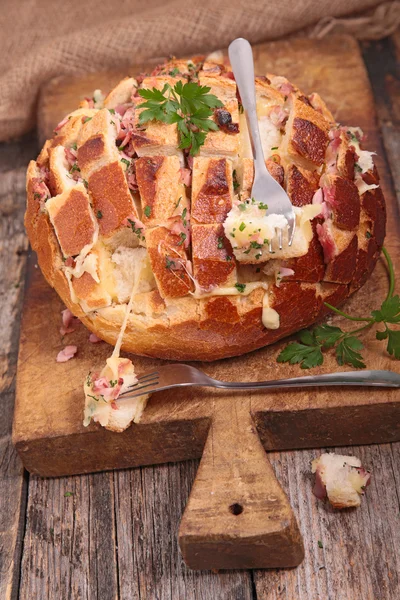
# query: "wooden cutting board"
[237,515]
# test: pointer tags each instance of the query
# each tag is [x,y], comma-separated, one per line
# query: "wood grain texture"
[71,526]
[13,250]
[237,515]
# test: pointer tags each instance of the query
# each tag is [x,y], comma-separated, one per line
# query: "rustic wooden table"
[114,535]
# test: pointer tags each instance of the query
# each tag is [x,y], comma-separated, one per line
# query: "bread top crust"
[105,187]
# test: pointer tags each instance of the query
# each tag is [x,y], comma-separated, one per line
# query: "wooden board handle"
[238,515]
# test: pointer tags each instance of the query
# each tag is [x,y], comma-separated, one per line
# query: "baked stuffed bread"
[120,216]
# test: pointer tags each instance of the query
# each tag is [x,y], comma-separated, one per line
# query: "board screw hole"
[236,509]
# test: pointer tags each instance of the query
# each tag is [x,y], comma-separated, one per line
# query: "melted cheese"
[250,230]
[229,291]
[270,317]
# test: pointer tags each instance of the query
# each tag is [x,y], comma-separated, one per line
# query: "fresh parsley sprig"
[189,105]
[308,351]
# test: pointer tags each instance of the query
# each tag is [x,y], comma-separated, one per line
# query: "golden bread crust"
[106,191]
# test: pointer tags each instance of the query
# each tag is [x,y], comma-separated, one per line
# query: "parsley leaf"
[147,211]
[347,352]
[307,355]
[393,338]
[189,105]
[327,335]
[389,311]
[240,287]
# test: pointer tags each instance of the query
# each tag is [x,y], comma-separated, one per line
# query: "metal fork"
[265,189]
[181,375]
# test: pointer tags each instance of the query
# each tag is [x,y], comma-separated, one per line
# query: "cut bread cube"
[162,192]
[212,189]
[169,262]
[73,220]
[212,256]
[341,478]
[112,199]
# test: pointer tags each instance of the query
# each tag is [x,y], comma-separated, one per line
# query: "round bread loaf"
[123,220]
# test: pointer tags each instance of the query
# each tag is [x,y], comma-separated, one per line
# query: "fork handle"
[241,58]
[360,378]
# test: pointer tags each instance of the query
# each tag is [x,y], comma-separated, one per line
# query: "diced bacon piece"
[326,240]
[70,155]
[318,198]
[67,322]
[278,116]
[62,123]
[66,354]
[93,339]
[186,176]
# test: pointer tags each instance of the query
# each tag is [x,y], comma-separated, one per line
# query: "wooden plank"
[358,559]
[69,545]
[13,244]
[149,504]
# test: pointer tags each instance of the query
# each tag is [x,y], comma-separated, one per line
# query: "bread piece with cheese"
[340,478]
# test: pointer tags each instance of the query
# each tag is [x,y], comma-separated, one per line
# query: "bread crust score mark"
[105,187]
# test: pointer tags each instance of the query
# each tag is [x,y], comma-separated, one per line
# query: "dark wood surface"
[114,535]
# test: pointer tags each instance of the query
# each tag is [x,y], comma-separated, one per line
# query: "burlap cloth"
[42,39]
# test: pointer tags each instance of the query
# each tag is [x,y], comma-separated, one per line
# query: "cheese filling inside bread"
[108,193]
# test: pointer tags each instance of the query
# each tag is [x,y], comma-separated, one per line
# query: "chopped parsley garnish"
[37,196]
[68,494]
[99,214]
[258,256]
[112,111]
[189,105]
[240,287]
[147,211]
[86,119]
[169,264]
[177,204]
[183,238]
[228,257]
[74,147]
[138,230]
[241,109]
[74,168]
[113,382]
[174,72]
[126,161]
[357,168]
[320,544]
[85,183]
[262,206]
[255,245]
[184,213]
[242,226]
[220,243]
[368,235]
[308,352]
[235,181]
[274,148]
[242,207]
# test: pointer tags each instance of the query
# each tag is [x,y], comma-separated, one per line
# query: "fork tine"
[148,376]
[280,238]
[292,229]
